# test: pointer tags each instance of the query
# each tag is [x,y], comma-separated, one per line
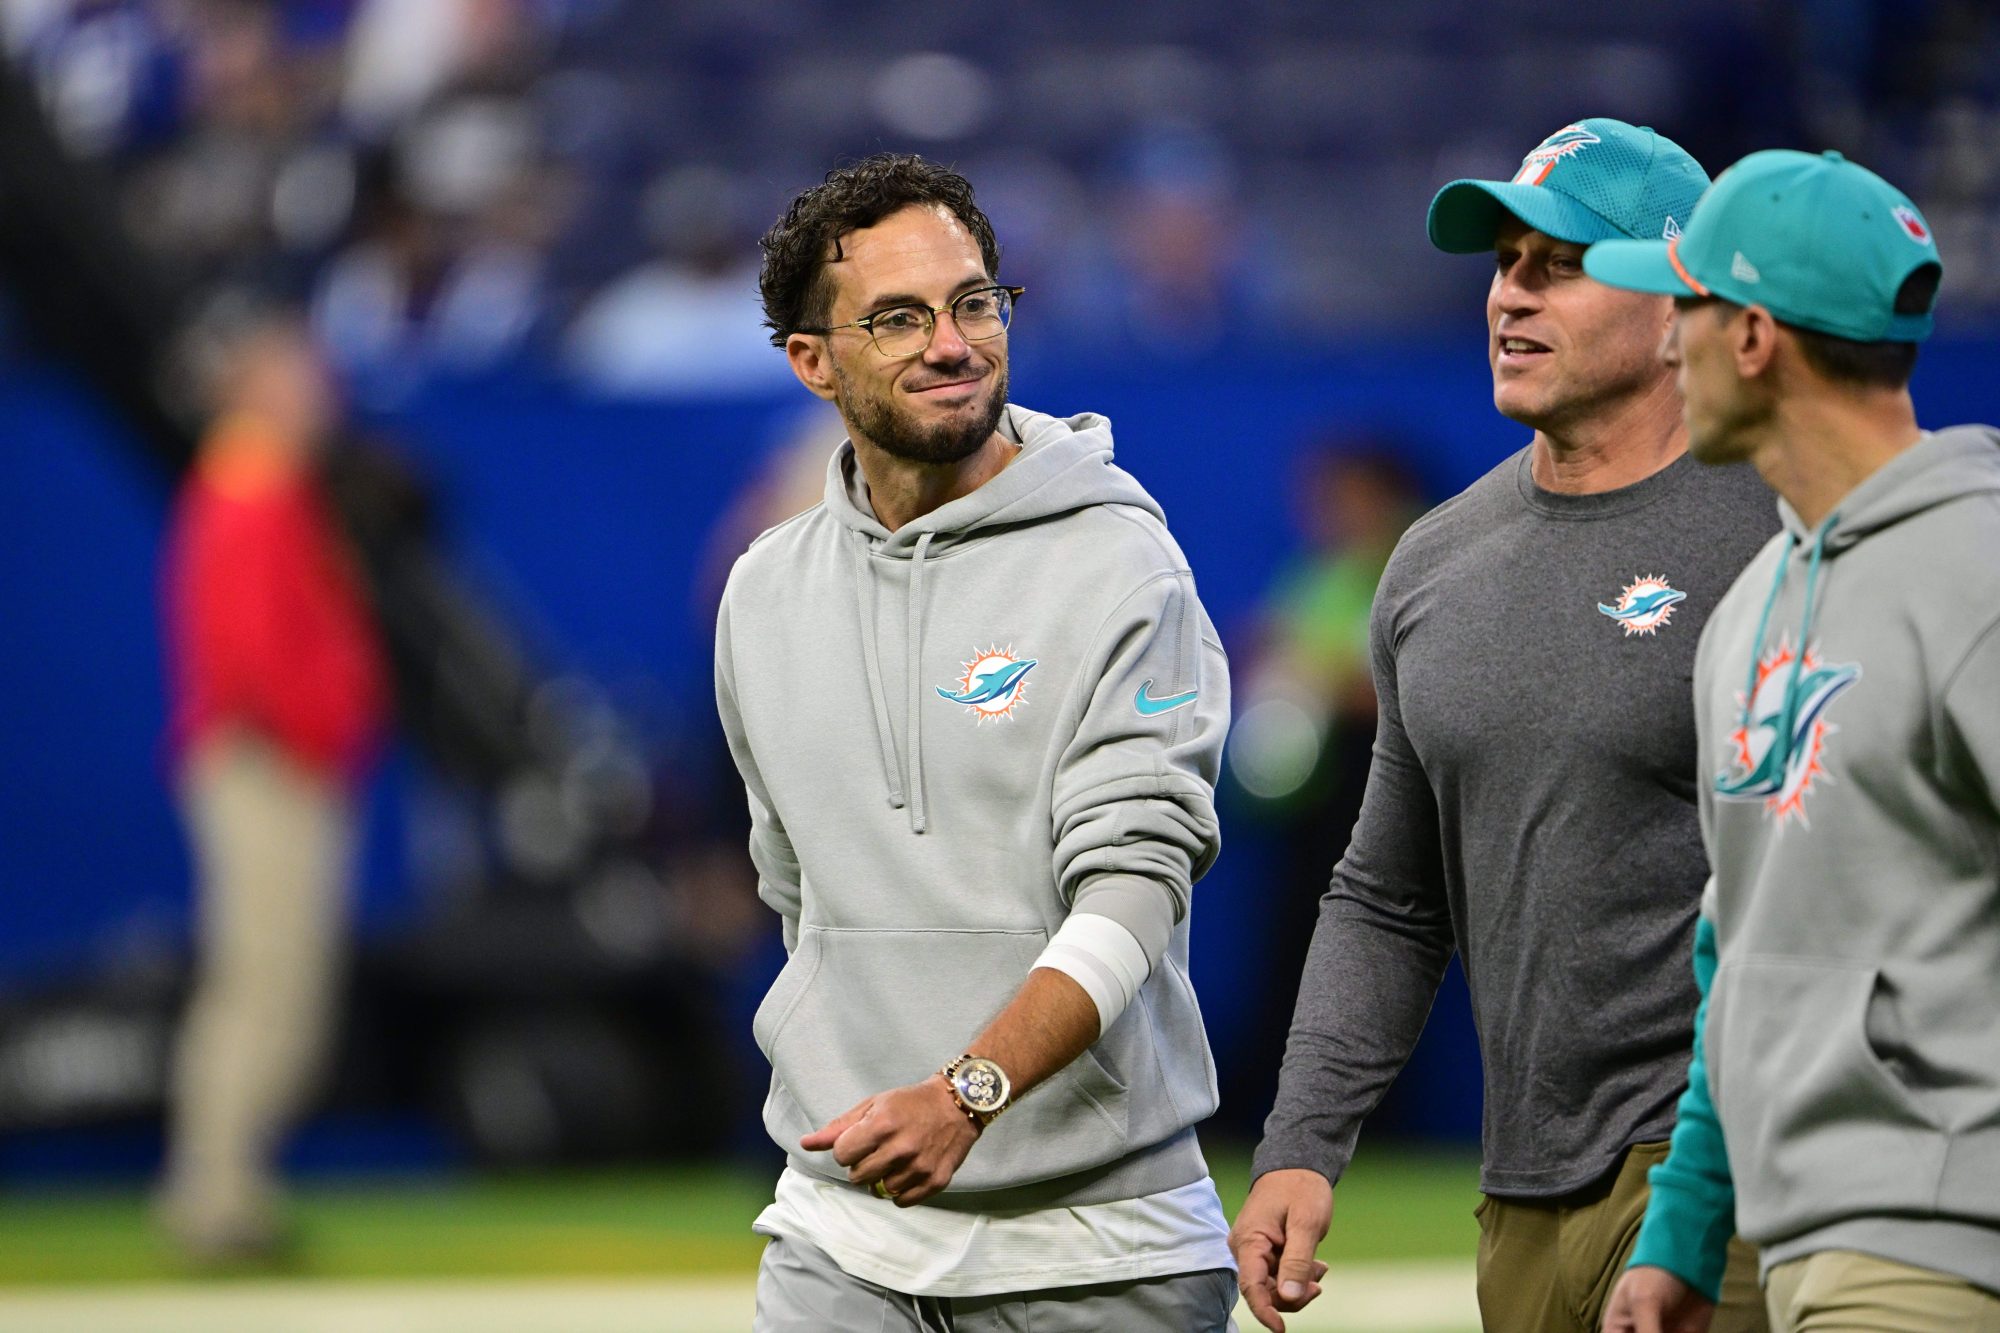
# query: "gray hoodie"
[950,734]
[1853,1032]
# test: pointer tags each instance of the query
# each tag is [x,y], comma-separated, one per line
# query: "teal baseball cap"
[1590,181]
[1820,242]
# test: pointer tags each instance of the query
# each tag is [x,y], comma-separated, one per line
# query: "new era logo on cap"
[1671,230]
[1913,226]
[1743,270]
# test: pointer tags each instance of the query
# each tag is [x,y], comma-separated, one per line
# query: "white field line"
[1374,1298]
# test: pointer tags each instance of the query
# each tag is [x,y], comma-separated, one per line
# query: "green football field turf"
[1394,1204]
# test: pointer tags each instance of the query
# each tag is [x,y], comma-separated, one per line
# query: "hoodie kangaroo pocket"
[857,1012]
[1816,1124]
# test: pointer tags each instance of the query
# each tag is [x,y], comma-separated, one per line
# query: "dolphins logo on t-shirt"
[1646,605]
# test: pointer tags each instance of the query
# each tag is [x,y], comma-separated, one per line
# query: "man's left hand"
[1653,1300]
[911,1139]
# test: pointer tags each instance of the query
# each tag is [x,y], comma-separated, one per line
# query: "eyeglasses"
[905,330]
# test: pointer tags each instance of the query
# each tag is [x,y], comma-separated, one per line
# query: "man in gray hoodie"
[978,710]
[1846,1085]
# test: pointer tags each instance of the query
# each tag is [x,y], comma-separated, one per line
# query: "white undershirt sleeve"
[1101,956]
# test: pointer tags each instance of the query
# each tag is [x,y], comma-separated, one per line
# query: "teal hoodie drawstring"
[1780,752]
[1805,625]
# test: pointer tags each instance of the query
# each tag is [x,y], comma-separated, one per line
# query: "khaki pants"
[1548,1265]
[1841,1291]
[271,846]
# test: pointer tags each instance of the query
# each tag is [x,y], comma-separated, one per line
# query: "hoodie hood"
[1940,466]
[1064,465]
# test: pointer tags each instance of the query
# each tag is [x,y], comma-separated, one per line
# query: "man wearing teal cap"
[1530,803]
[1847,699]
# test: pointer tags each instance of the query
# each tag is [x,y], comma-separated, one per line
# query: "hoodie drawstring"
[1781,743]
[914,627]
[871,661]
[1805,624]
[871,658]
[1763,624]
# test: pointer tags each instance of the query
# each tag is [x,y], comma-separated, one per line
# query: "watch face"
[982,1085]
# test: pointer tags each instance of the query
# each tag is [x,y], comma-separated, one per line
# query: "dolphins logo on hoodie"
[1781,734]
[993,685]
[1645,606]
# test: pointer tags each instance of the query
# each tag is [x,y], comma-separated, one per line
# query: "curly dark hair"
[797,289]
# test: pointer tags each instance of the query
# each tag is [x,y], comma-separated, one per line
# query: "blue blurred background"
[525,233]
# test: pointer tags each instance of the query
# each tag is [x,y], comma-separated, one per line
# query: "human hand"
[1276,1232]
[910,1139]
[1652,1300]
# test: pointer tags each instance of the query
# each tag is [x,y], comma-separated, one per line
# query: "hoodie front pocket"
[1816,1125]
[864,1011]
[787,989]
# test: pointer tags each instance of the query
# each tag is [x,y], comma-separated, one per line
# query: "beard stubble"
[898,434]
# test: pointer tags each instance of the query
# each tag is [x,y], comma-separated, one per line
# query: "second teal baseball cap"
[1818,241]
[1590,181]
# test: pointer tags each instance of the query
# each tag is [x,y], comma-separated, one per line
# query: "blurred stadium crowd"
[456,185]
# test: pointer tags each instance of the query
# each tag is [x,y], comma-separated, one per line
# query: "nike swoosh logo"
[1148,706]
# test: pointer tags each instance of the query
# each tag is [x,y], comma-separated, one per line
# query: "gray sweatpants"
[801,1290]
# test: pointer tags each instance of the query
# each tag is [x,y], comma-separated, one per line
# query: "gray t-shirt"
[1532,803]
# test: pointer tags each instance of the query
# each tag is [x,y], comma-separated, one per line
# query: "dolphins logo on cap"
[1542,158]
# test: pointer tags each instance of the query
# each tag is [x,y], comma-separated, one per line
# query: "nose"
[947,346]
[1512,293]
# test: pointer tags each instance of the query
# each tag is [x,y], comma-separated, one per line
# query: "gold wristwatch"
[979,1086]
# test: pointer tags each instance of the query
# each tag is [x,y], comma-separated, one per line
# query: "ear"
[811,358]
[1668,348]
[1753,341]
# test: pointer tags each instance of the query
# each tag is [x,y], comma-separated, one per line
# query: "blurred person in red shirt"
[279,695]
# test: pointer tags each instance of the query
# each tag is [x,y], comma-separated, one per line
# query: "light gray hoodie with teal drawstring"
[951,735]
[1847,694]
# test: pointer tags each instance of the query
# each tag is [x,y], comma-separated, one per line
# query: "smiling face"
[937,407]
[1564,347]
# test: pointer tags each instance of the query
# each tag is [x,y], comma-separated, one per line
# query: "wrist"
[942,1083]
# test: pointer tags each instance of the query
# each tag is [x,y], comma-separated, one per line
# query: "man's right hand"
[1652,1300]
[1276,1232]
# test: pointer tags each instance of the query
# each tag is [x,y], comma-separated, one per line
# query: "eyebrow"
[905,298]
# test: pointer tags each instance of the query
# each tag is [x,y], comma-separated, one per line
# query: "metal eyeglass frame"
[867,322]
